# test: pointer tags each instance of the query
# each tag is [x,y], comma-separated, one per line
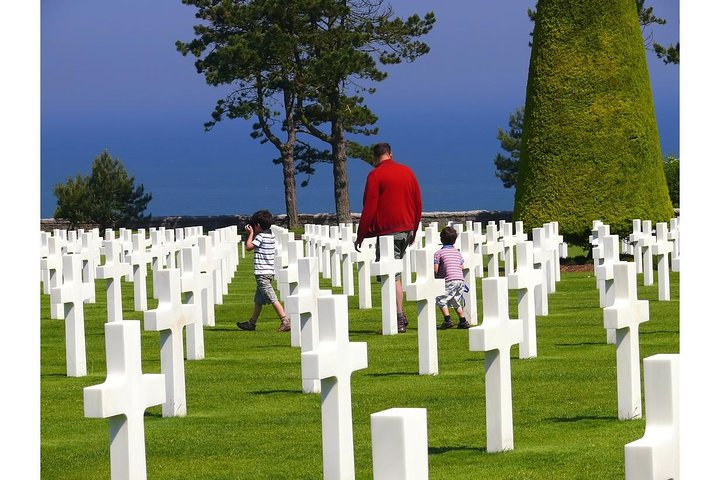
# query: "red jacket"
[391,202]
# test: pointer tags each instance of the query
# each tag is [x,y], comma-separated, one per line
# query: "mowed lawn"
[247,417]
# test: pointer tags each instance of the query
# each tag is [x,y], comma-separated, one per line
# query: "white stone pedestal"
[399,444]
[656,455]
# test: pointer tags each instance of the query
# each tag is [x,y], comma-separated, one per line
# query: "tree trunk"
[288,165]
[342,196]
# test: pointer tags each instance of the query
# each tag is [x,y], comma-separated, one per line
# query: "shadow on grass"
[365,332]
[580,344]
[580,418]
[460,448]
[152,414]
[390,374]
[274,392]
[673,332]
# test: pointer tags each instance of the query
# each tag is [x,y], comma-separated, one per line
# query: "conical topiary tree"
[590,144]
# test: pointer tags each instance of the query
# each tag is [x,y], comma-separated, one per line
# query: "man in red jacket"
[391,205]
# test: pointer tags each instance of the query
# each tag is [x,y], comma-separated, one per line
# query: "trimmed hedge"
[591,149]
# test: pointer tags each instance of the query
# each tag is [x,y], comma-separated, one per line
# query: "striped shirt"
[264,253]
[450,262]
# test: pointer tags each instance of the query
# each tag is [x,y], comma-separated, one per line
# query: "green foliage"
[247,418]
[672,177]
[591,149]
[506,168]
[301,67]
[108,197]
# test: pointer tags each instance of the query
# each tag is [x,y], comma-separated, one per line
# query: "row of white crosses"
[663,246]
[656,454]
[126,392]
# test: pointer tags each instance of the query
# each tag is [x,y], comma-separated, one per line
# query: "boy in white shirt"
[262,241]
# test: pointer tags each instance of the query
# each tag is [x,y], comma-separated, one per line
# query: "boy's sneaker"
[464,324]
[284,325]
[446,324]
[402,323]
[249,325]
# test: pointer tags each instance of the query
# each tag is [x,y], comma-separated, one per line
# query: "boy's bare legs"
[401,319]
[279,309]
[256,312]
[284,320]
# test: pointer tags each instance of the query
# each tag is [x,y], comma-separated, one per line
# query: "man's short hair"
[448,236]
[263,218]
[380,149]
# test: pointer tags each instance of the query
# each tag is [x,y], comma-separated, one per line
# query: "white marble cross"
[212,265]
[113,270]
[625,316]
[221,254]
[191,285]
[553,240]
[302,307]
[169,318]
[125,239]
[646,243]
[158,255]
[89,259]
[123,398]
[509,241]
[657,454]
[345,249]
[478,239]
[662,249]
[542,258]
[400,444]
[423,291]
[634,239]
[171,249]
[470,264]
[139,260]
[53,263]
[363,259]
[72,294]
[606,276]
[324,251]
[528,281]
[386,268]
[492,248]
[289,277]
[495,337]
[332,362]
[332,245]
[44,273]
[674,237]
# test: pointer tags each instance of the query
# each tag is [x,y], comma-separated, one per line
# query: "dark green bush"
[591,149]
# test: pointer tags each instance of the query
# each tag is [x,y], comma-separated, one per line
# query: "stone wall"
[218,221]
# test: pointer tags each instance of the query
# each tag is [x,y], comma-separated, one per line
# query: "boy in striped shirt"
[261,239]
[448,264]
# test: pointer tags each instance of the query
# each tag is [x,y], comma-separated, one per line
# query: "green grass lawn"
[248,418]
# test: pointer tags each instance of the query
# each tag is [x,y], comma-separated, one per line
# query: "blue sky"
[112,79]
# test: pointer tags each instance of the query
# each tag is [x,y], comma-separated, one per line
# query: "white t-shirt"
[264,253]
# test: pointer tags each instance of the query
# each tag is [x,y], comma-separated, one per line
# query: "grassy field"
[248,418]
